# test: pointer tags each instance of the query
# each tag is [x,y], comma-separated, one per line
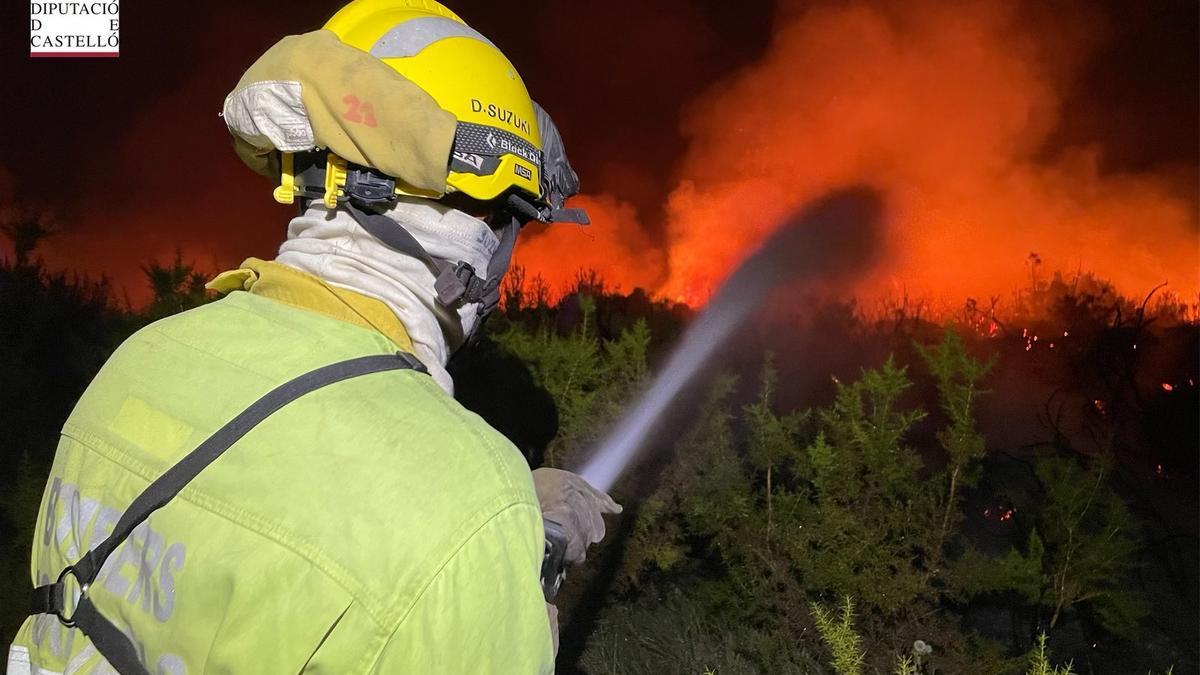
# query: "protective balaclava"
[333,245]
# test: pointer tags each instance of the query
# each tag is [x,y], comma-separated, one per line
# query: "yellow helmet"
[505,148]
[497,145]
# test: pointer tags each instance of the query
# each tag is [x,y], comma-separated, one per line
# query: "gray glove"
[571,502]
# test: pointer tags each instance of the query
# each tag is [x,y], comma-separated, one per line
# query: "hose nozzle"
[553,565]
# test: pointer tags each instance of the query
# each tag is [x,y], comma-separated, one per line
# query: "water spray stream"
[828,241]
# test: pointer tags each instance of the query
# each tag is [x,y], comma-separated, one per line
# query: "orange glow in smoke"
[948,108]
[614,245]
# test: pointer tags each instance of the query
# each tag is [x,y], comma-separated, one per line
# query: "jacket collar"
[300,289]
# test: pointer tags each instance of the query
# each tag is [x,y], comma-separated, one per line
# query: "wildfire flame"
[946,107]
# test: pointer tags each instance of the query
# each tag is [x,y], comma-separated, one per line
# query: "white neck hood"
[331,245]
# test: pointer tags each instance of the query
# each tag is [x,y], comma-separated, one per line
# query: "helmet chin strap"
[456,284]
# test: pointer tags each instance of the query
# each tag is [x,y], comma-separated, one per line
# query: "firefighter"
[280,480]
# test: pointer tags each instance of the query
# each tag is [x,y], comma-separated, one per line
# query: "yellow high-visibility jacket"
[373,525]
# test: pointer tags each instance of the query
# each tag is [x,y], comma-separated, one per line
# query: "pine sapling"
[838,632]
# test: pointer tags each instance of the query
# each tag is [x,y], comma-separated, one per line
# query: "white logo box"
[74,29]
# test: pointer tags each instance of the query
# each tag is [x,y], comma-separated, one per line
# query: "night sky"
[131,161]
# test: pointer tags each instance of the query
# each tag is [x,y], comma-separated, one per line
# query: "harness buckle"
[59,604]
[368,188]
[460,285]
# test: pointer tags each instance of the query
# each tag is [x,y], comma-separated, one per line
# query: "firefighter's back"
[373,524]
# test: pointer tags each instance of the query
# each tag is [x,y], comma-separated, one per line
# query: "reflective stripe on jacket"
[371,526]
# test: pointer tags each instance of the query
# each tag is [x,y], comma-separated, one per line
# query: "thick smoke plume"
[948,106]
[952,109]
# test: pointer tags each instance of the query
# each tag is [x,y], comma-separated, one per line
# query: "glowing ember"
[999,514]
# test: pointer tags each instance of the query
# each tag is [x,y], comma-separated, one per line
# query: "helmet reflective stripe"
[412,36]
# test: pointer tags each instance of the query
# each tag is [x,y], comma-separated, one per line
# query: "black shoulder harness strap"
[113,645]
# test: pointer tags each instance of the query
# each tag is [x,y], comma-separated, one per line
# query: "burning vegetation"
[952,112]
